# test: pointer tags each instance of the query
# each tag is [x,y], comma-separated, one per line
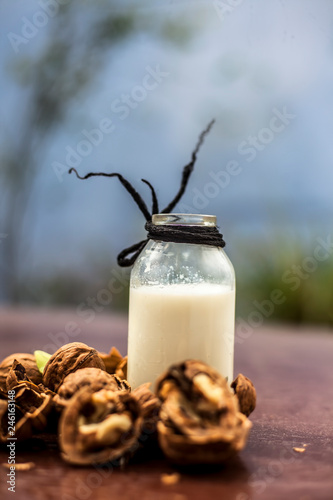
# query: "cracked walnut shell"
[111,360]
[91,378]
[200,422]
[246,394]
[25,359]
[68,359]
[98,427]
[33,405]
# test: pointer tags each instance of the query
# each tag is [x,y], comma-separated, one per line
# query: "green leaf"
[41,359]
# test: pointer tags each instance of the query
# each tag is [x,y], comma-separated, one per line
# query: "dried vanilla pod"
[68,359]
[200,422]
[121,370]
[98,427]
[111,360]
[29,363]
[92,378]
[246,394]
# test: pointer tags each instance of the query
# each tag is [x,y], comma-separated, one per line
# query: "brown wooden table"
[293,374]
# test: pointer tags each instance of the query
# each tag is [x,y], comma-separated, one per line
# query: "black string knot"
[202,235]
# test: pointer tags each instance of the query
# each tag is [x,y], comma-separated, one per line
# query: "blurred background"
[106,85]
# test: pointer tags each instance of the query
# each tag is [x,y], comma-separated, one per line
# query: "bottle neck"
[184,220]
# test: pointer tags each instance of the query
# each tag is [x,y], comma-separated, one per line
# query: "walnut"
[23,428]
[16,375]
[92,378]
[121,370]
[98,427]
[68,359]
[200,420]
[115,363]
[29,363]
[246,394]
[150,407]
[111,360]
[32,405]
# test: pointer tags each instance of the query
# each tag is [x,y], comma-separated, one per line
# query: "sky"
[263,69]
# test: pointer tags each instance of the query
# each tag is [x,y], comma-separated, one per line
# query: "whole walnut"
[200,422]
[91,378]
[29,363]
[68,359]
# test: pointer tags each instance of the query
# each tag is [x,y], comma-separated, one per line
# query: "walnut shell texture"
[200,422]
[111,360]
[246,394]
[98,427]
[150,407]
[29,363]
[121,370]
[92,378]
[68,359]
[33,405]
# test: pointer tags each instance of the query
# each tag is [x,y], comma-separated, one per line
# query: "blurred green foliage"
[260,270]
[287,266]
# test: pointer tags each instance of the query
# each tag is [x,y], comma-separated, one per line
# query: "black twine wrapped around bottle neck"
[202,235]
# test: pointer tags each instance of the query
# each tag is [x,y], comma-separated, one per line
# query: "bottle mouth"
[184,220]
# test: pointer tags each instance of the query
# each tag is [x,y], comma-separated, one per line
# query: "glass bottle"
[182,305]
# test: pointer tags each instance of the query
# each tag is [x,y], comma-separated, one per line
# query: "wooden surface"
[293,374]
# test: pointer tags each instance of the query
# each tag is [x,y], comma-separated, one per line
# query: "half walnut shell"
[200,422]
[68,359]
[111,360]
[99,427]
[246,394]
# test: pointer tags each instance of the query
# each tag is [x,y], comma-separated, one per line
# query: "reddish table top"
[292,372]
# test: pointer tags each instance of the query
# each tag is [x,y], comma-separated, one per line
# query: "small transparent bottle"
[182,305]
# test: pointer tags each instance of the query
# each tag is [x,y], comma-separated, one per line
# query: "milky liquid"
[177,322]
